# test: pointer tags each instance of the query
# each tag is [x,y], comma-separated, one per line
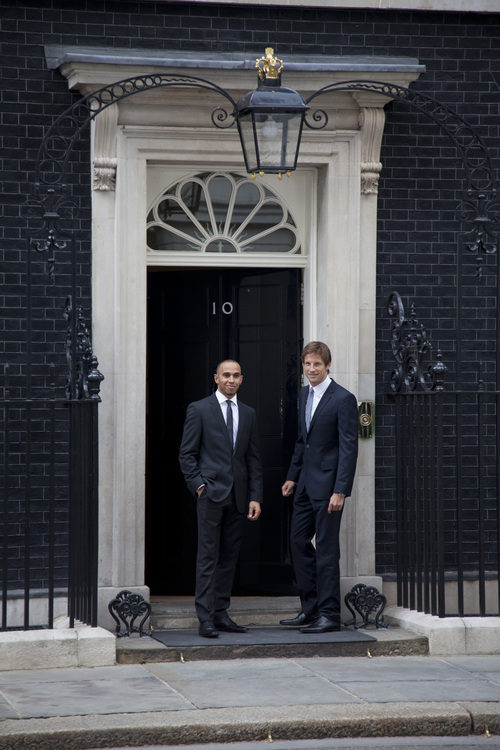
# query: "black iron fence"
[48,511]
[83,516]
[447,483]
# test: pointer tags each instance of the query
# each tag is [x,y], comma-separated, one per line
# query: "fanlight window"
[220,213]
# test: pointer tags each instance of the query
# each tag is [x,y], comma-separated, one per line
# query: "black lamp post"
[270,120]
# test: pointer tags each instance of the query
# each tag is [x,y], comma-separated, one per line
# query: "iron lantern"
[270,120]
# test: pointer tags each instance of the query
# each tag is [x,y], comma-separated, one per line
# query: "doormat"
[259,637]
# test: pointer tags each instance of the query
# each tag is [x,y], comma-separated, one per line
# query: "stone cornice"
[88,68]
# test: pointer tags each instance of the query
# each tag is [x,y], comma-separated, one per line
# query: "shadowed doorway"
[195,319]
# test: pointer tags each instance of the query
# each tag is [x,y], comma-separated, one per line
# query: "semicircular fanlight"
[220,213]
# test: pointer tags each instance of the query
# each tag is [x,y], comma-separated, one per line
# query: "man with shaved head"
[220,461]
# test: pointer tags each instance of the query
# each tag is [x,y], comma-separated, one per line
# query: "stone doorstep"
[81,646]
[179,613]
[450,635]
[393,641]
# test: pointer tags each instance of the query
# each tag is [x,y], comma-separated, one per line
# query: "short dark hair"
[319,348]
[227,359]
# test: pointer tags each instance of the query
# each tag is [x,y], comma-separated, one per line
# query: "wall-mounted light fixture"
[270,120]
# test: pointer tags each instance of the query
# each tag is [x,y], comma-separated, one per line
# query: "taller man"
[220,461]
[321,473]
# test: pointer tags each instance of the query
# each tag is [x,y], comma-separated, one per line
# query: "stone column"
[371,121]
[118,281]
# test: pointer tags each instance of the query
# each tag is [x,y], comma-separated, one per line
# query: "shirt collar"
[321,387]
[222,399]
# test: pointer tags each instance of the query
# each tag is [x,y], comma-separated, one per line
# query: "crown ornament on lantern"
[269,66]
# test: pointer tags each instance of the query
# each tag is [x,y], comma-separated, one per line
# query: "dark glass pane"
[220,246]
[159,238]
[279,241]
[220,190]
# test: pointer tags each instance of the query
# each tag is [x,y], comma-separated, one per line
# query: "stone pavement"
[229,700]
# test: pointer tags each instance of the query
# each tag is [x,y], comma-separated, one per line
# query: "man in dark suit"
[321,473]
[220,461]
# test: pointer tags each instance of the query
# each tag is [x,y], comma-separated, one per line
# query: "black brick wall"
[421,184]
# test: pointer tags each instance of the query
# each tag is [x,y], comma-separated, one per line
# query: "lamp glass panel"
[278,135]
[248,141]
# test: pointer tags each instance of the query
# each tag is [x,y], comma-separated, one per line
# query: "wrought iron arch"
[52,200]
[479,207]
[58,142]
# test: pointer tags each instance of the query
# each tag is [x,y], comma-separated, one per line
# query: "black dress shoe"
[229,626]
[322,625]
[207,630]
[300,619]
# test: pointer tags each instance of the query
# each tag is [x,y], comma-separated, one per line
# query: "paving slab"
[220,701]
[422,691]
[69,692]
[266,683]
[393,669]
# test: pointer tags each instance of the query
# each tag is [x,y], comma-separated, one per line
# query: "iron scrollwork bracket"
[84,379]
[482,211]
[410,343]
[48,205]
[368,602]
[125,609]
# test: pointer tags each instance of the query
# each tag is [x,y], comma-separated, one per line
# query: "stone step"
[169,613]
[263,614]
[392,641]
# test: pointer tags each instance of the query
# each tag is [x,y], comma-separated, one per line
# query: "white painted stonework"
[157,136]
[450,635]
[81,646]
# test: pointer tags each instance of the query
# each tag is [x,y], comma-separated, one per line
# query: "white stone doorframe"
[339,280]
[339,297]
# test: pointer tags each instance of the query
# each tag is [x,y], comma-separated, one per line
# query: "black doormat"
[259,637]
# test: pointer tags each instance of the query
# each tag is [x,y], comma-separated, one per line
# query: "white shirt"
[318,391]
[225,406]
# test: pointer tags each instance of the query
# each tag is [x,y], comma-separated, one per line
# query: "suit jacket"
[206,457]
[324,459]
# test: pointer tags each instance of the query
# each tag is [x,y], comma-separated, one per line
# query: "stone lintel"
[89,68]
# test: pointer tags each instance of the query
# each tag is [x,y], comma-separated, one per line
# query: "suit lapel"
[218,417]
[242,424]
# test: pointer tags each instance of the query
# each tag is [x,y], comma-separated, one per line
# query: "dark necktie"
[309,406]
[229,421]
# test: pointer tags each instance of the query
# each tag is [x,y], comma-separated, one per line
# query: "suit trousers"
[219,540]
[317,568]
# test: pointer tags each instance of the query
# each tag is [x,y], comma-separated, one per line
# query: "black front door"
[195,319]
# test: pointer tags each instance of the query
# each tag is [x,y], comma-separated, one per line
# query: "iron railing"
[447,481]
[48,516]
